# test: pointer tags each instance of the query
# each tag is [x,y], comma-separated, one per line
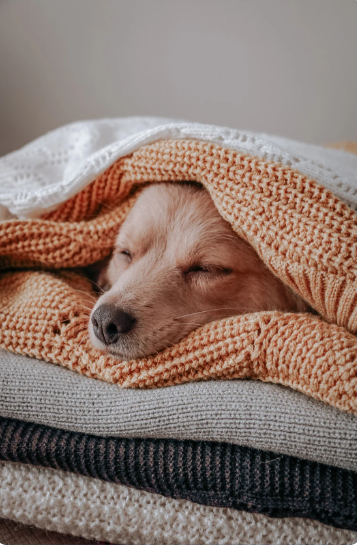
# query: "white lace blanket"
[49,170]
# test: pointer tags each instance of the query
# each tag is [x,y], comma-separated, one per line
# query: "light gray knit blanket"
[245,412]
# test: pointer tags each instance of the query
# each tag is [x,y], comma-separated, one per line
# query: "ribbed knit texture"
[69,503]
[243,412]
[215,474]
[302,232]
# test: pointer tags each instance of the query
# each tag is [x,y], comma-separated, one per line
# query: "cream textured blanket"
[305,235]
[71,504]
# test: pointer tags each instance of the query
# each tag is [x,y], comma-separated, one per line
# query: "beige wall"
[287,67]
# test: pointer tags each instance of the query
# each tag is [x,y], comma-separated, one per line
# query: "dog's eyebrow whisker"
[167,345]
[86,293]
[88,309]
[202,311]
[191,323]
[95,284]
[167,341]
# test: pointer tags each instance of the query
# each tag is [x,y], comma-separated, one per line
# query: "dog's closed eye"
[208,270]
[124,253]
[176,257]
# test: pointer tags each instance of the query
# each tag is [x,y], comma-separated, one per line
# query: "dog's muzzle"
[109,323]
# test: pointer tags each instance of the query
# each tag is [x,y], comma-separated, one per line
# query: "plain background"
[286,67]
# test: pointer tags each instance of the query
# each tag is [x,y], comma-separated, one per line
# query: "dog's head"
[177,265]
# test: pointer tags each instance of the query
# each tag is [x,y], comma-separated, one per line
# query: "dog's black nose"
[110,322]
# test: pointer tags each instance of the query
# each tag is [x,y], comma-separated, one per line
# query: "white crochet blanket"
[46,172]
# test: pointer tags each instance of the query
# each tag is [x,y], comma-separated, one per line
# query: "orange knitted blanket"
[304,234]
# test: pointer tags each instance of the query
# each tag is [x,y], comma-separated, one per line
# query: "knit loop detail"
[303,233]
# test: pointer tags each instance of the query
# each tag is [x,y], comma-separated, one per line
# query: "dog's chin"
[120,351]
[136,345]
[123,354]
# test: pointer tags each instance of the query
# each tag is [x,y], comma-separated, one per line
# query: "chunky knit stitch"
[69,503]
[304,234]
[210,473]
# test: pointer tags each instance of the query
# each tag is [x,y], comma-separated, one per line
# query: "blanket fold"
[72,504]
[210,473]
[243,412]
[304,234]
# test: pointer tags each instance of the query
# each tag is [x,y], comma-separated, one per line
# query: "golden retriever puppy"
[177,264]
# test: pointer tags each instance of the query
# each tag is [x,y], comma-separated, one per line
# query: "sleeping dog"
[176,265]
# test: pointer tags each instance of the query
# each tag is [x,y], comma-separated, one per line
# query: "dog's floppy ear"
[97,274]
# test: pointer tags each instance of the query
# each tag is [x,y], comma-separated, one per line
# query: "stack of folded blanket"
[156,450]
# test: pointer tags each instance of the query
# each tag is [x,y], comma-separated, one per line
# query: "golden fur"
[304,234]
[178,265]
